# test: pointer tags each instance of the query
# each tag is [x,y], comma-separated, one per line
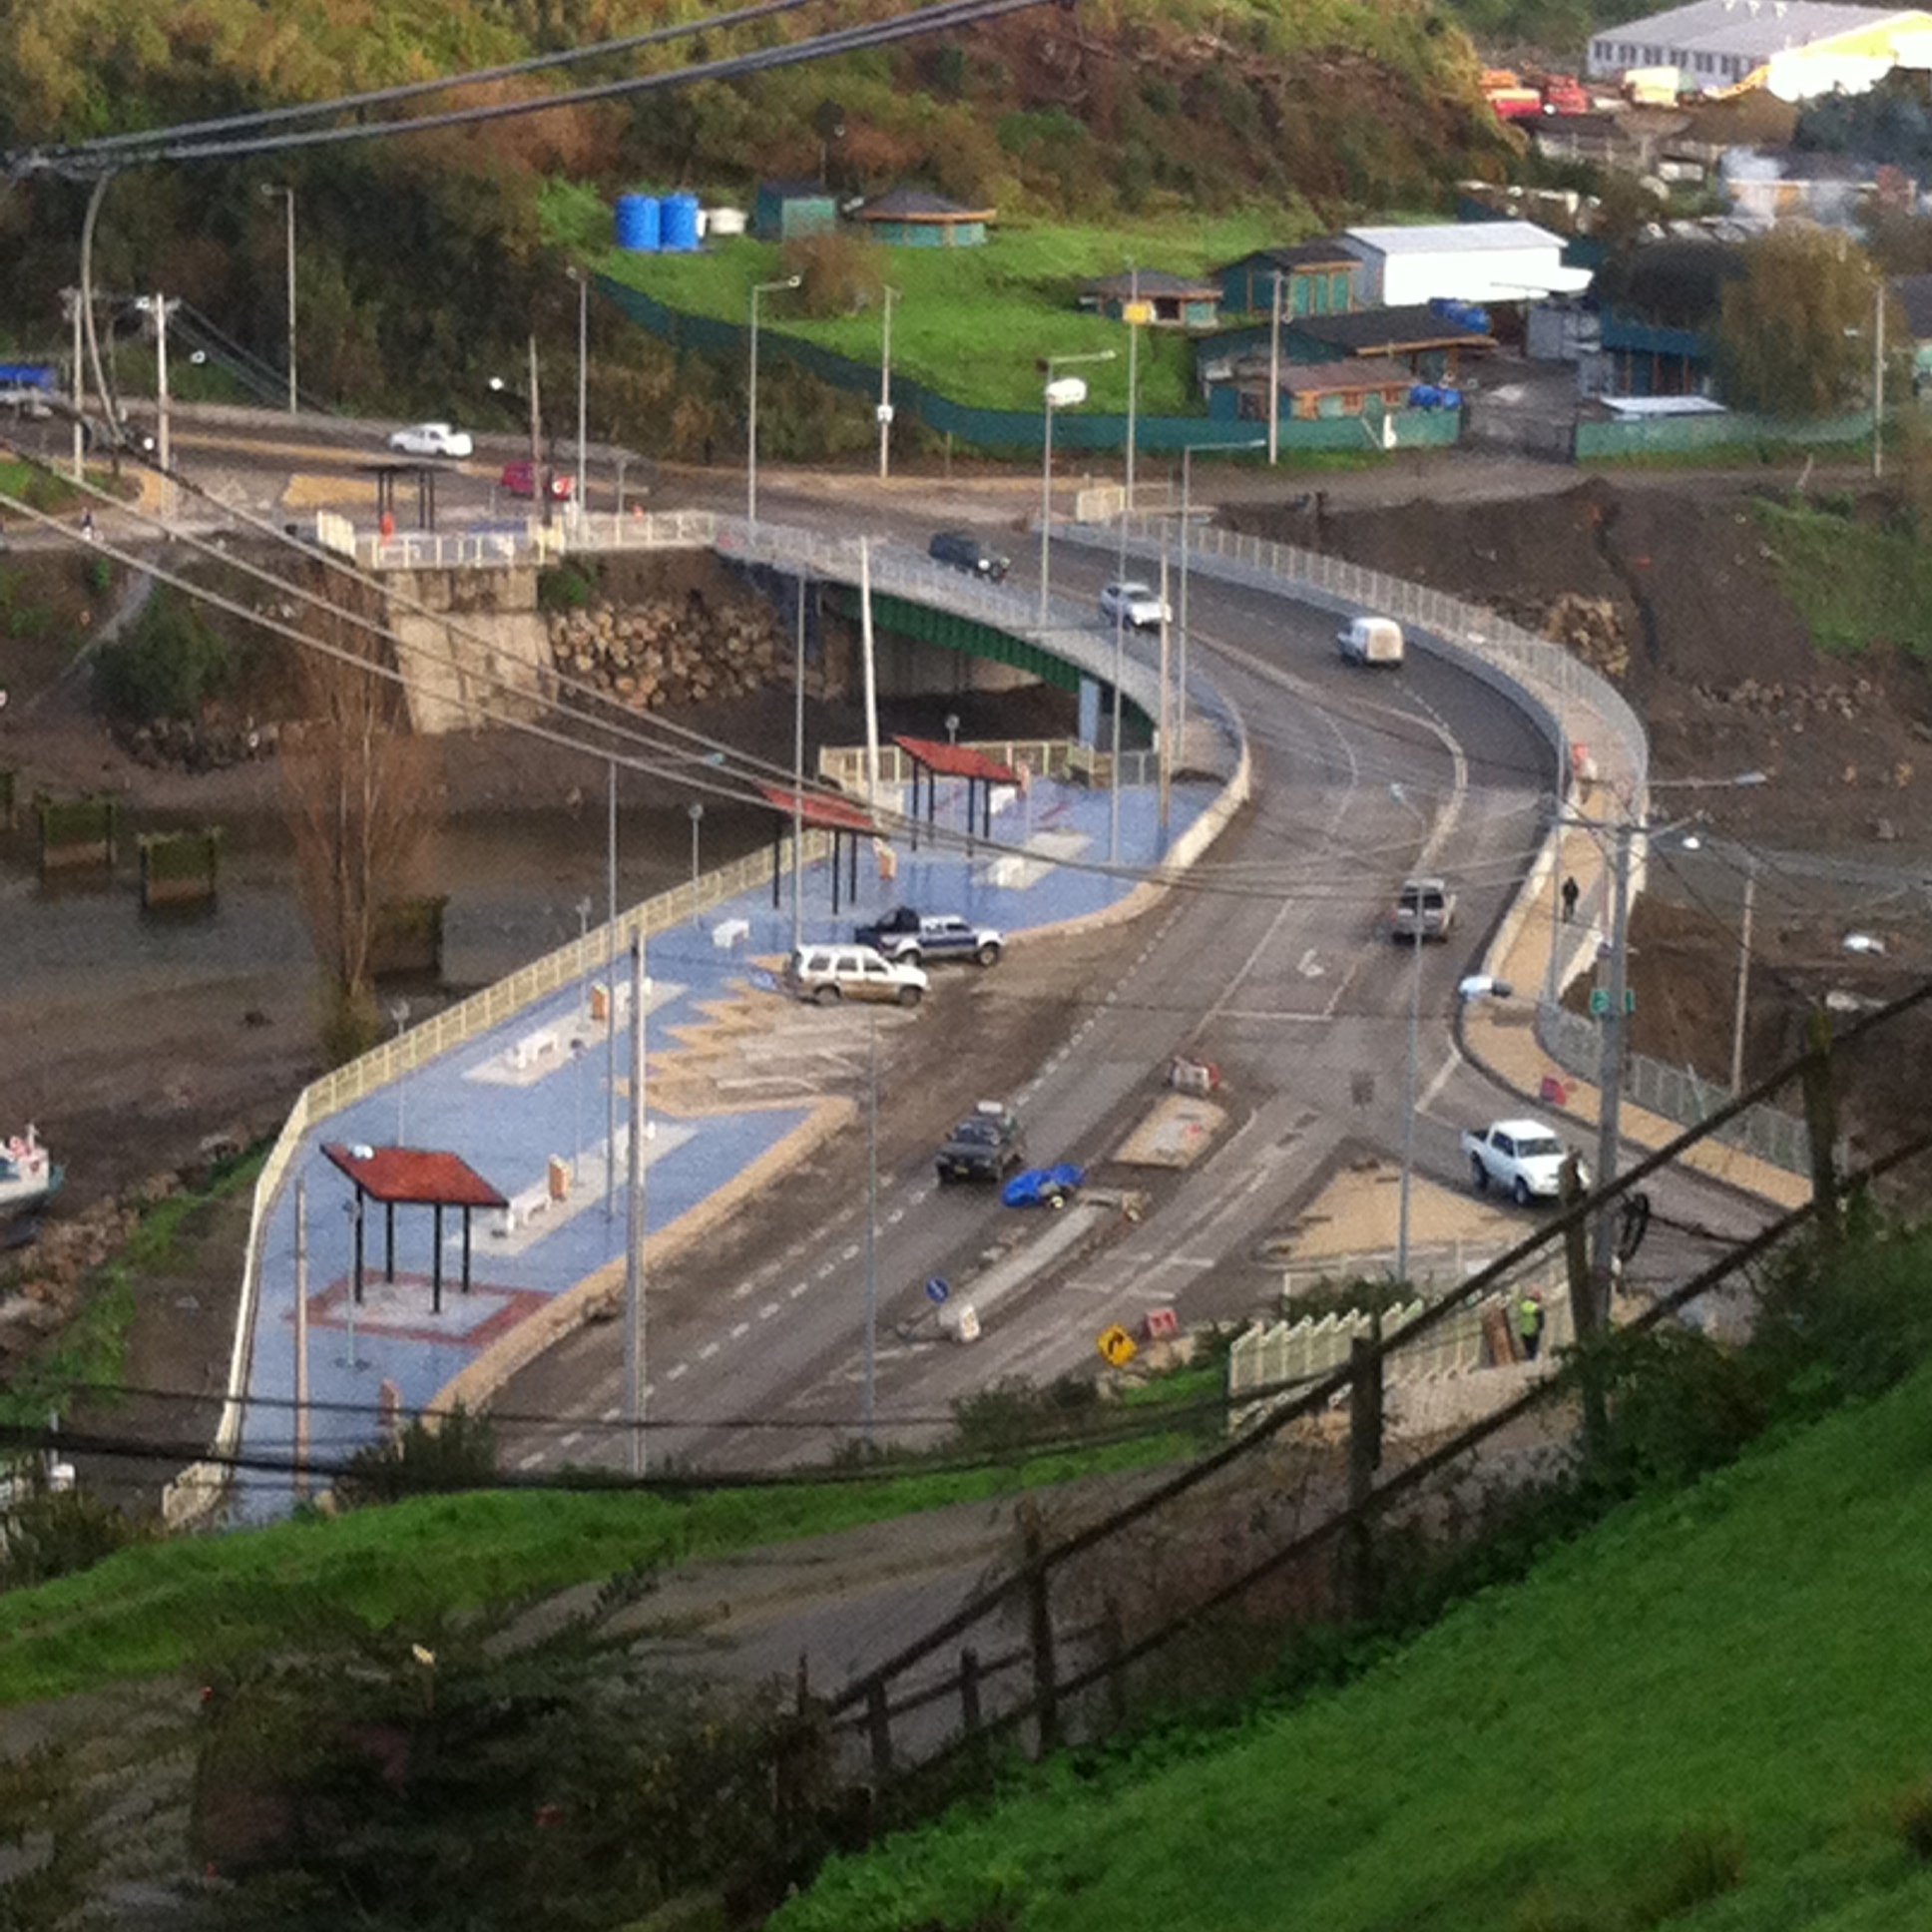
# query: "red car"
[520,479]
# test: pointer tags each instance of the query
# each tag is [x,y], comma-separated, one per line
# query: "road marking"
[743,1329]
[826,1268]
[917,1195]
[531,1460]
[708,1352]
[611,1415]
[1309,966]
[1440,1079]
[849,1252]
[895,1217]
[676,1370]
[571,1440]
[769,1310]
[797,1288]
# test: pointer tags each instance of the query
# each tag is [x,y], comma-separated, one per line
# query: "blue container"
[639,227]
[679,232]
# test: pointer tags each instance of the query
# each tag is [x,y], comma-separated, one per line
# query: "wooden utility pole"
[1587,1312]
[1821,1127]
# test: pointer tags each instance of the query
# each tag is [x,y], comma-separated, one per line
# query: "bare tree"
[361,795]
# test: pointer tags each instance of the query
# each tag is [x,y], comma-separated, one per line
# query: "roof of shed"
[1414,326]
[1456,238]
[919,205]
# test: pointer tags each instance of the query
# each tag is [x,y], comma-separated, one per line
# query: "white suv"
[1136,606]
[827,974]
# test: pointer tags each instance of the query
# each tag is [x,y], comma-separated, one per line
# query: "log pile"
[659,656]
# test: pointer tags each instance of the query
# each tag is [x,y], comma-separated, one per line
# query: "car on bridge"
[1521,1158]
[985,1146]
[433,439]
[1134,604]
[963,551]
[907,934]
[520,479]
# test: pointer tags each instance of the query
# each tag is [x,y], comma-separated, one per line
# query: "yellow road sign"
[1117,1346]
[1137,313]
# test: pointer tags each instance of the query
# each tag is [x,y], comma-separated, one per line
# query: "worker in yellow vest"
[1529,1324]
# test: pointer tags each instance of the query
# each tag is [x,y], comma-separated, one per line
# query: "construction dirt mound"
[1673,595]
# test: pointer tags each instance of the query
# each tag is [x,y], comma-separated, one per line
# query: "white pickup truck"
[1521,1158]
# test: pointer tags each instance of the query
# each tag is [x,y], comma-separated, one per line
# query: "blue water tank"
[1449,398]
[679,232]
[638,223]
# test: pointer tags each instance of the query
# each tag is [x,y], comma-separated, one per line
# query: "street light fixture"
[696,811]
[399,1012]
[1186,512]
[752,432]
[952,727]
[1063,393]
[885,385]
[1402,799]
[583,283]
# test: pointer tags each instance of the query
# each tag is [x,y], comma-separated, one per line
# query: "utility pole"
[301,1340]
[798,775]
[1609,1078]
[72,296]
[609,1014]
[1878,382]
[871,1218]
[635,1334]
[1744,980]
[295,397]
[583,280]
[871,675]
[1274,374]
[162,440]
[885,388]
[1120,671]
[537,475]
[1132,377]
[1165,759]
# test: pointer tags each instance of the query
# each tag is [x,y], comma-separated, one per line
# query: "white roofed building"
[1797,48]
[1463,262]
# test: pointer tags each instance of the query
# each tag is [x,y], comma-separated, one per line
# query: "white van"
[827,974]
[1371,640]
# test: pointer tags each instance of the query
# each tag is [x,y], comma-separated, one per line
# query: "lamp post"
[399,1012]
[1187,509]
[1136,314]
[1408,1079]
[1609,1076]
[696,811]
[288,200]
[1061,392]
[952,727]
[885,385]
[751,430]
[583,283]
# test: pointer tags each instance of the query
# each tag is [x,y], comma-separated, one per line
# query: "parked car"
[520,479]
[433,439]
[983,1147]
[828,974]
[1522,1159]
[1424,910]
[1135,605]
[907,934]
[964,551]
[1370,641]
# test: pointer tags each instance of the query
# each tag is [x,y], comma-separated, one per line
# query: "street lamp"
[752,433]
[1187,509]
[952,727]
[696,811]
[583,283]
[288,197]
[1063,393]
[1402,799]
[399,1012]
[885,384]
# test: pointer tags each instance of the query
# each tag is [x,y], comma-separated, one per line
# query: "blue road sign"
[937,1289]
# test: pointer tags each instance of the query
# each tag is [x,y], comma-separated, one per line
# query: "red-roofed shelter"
[847,822]
[938,761]
[412,1177]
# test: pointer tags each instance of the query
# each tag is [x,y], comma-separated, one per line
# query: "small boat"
[28,1176]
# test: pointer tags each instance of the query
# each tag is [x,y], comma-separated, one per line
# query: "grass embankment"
[972,323]
[1855,586]
[1697,1715]
[198,1600]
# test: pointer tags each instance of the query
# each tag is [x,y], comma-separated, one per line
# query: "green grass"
[198,1600]
[1854,586]
[1734,456]
[972,322]
[1701,1714]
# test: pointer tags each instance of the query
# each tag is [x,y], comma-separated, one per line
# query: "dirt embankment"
[1674,595]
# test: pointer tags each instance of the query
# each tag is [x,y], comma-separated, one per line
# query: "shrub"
[562,587]
[1704,1863]
[55,1533]
[839,272]
[168,663]
[1913,1816]
[425,1459]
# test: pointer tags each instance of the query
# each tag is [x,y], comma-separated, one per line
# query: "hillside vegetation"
[424,261]
[1697,1715]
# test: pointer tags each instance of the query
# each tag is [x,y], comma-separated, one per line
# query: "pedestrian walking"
[87,525]
[1568,900]
[1529,1324]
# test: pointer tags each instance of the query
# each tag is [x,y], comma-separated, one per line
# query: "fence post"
[1822,1127]
[1039,1627]
[1586,1312]
[878,1728]
[1365,1458]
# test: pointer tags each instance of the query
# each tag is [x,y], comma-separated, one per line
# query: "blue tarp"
[1042,1187]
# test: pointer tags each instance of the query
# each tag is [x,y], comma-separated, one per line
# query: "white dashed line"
[826,1268]
[849,1252]
[680,1368]
[531,1460]
[896,1216]
[797,1288]
[769,1310]
[708,1352]
[611,1415]
[571,1440]
[742,1329]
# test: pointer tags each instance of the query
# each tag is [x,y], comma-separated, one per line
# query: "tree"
[361,793]
[1795,334]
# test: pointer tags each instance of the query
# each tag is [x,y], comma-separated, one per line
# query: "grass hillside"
[1704,1715]
[424,261]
